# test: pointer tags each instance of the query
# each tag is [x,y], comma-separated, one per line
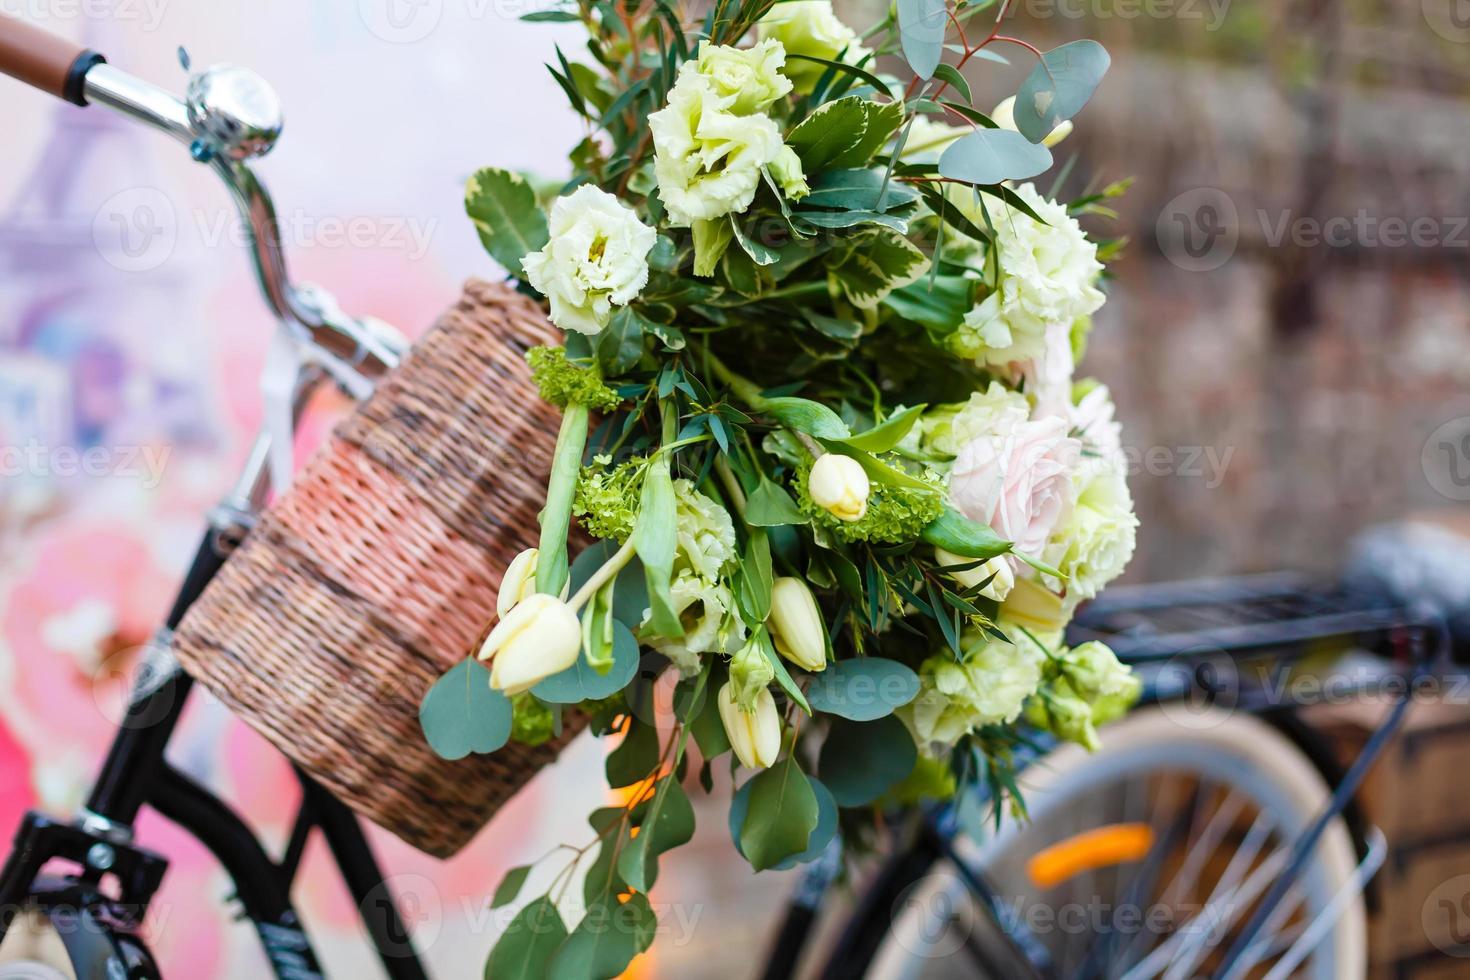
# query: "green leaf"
[860,761]
[635,757]
[669,823]
[822,834]
[771,506]
[550,17]
[878,266]
[921,26]
[602,878]
[620,344]
[956,533]
[602,945]
[844,67]
[462,714]
[951,74]
[582,681]
[655,540]
[857,190]
[780,816]
[503,207]
[882,438]
[828,133]
[759,254]
[863,688]
[845,331]
[989,156]
[852,219]
[937,304]
[881,121]
[709,731]
[510,886]
[756,577]
[1058,87]
[783,676]
[974,115]
[524,950]
[805,415]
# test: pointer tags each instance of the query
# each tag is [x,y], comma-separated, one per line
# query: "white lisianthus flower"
[1093,545]
[750,77]
[1004,116]
[706,534]
[810,27]
[597,258]
[1048,276]
[947,429]
[710,626]
[988,686]
[707,160]
[1093,419]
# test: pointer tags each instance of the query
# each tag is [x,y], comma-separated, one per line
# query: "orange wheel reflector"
[1099,848]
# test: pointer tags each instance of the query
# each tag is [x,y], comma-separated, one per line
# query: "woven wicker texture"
[378,570]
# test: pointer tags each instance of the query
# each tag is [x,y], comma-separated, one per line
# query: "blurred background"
[1287,337]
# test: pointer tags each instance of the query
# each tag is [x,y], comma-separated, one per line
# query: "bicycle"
[85,922]
[1212,807]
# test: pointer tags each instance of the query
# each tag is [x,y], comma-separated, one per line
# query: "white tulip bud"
[839,485]
[998,570]
[796,624]
[754,735]
[539,637]
[519,581]
[1004,116]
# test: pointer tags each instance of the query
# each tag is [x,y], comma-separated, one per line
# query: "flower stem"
[743,387]
[556,516]
[603,575]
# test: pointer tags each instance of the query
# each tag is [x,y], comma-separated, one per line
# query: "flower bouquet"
[820,419]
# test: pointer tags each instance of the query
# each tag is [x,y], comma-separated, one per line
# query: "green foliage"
[564,383]
[503,207]
[781,814]
[896,514]
[863,688]
[1059,86]
[461,714]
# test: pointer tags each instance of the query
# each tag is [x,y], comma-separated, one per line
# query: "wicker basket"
[378,570]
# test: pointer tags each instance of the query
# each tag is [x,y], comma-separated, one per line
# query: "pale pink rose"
[1018,482]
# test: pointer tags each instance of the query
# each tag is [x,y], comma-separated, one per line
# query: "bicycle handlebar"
[228,116]
[41,59]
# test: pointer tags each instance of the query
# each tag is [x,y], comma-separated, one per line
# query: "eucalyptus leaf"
[503,207]
[1058,87]
[821,836]
[602,945]
[921,25]
[668,824]
[635,757]
[525,949]
[989,156]
[863,688]
[860,761]
[510,886]
[951,74]
[781,813]
[462,714]
[582,682]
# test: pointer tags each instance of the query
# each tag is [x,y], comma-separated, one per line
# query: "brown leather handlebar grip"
[52,64]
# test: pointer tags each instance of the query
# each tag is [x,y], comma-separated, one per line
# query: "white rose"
[809,27]
[597,258]
[1048,276]
[1018,482]
[707,160]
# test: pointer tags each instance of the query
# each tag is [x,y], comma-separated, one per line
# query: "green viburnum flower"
[606,501]
[895,514]
[532,722]
[705,531]
[563,383]
[750,672]
[749,77]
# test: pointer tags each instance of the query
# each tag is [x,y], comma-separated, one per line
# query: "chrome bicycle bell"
[235,113]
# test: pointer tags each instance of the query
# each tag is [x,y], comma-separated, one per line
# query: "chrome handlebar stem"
[231,115]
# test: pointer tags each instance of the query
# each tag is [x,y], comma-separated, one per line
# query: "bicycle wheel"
[1142,860]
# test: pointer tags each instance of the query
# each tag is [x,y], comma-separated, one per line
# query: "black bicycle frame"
[137,774]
